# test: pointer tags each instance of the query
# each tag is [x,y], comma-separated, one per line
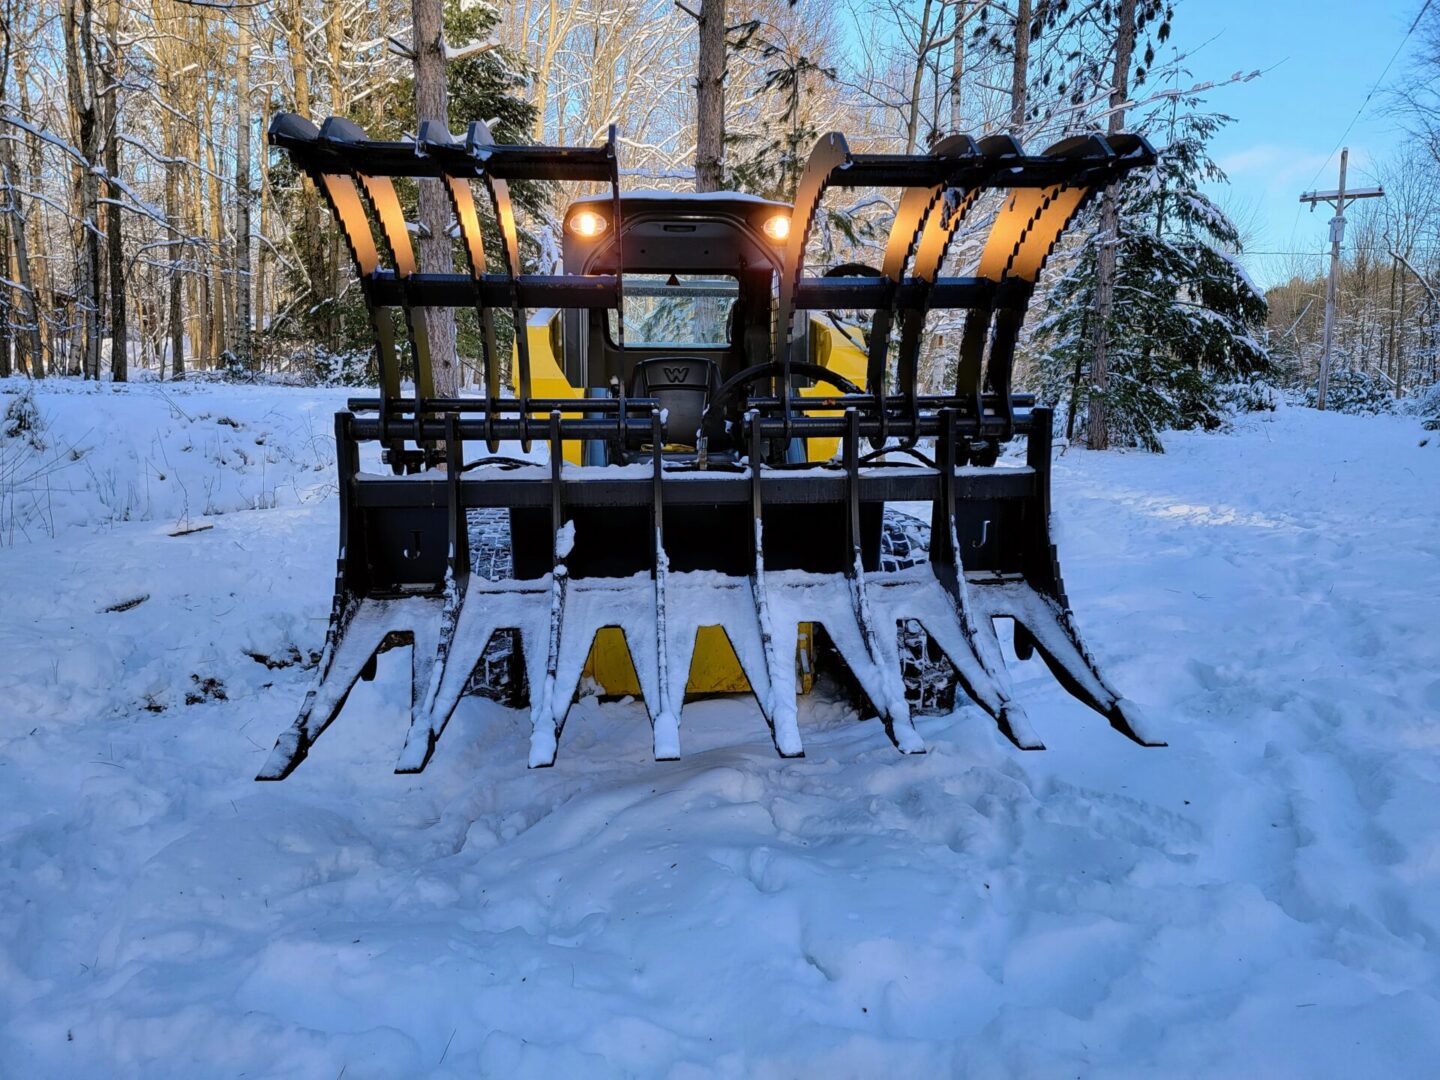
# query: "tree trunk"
[219,300]
[114,235]
[31,356]
[193,201]
[1400,354]
[174,279]
[38,275]
[957,67]
[917,78]
[1020,71]
[7,333]
[241,324]
[431,103]
[335,56]
[312,250]
[78,29]
[115,256]
[1390,312]
[710,99]
[1097,430]
[261,301]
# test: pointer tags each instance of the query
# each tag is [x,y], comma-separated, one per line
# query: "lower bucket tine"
[950,624]
[761,624]
[819,598]
[357,633]
[1051,628]
[974,675]
[483,612]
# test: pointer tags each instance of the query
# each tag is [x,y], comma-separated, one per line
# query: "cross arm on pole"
[1333,197]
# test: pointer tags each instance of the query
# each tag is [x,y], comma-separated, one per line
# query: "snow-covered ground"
[1262,898]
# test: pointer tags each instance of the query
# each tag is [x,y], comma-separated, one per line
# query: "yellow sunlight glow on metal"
[345,198]
[392,220]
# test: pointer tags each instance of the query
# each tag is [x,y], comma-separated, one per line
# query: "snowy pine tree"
[1185,311]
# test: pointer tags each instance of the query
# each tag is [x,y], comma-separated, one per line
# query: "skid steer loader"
[709,460]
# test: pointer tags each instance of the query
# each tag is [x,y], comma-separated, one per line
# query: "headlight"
[588,224]
[777,227]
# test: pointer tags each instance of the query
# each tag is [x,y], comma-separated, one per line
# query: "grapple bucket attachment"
[660,533]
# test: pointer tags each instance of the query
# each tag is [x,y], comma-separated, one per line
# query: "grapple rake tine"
[777,702]
[830,153]
[545,717]
[927,201]
[462,200]
[976,653]
[353,639]
[478,141]
[385,205]
[894,709]
[910,214]
[1036,601]
[986,685]
[429,663]
[1051,628]
[665,718]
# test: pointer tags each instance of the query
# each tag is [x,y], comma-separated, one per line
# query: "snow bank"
[174,453]
[1259,899]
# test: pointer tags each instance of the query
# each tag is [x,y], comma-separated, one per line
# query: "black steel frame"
[404,544]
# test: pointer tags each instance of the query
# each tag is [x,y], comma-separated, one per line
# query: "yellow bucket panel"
[714,668]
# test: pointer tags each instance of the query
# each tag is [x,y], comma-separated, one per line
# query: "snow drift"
[1260,898]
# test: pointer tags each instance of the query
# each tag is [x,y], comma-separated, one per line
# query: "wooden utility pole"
[1339,199]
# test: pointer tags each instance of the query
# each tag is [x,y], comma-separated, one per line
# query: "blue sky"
[1321,57]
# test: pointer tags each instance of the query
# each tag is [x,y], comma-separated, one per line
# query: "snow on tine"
[358,631]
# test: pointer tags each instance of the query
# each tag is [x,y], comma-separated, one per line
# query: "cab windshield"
[676,310]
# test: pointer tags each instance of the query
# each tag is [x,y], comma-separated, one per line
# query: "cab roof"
[656,195]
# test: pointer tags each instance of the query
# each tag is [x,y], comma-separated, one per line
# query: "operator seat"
[683,385]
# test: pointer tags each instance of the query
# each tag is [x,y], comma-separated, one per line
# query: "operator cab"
[698,275]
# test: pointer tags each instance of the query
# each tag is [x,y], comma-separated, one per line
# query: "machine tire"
[930,678]
[500,674]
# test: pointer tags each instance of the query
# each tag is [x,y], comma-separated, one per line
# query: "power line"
[1376,86]
[1422,249]
[1341,141]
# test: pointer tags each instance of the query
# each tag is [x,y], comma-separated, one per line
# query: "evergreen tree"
[768,159]
[1184,314]
[486,85]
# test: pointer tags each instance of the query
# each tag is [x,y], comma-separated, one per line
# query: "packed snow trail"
[1261,898]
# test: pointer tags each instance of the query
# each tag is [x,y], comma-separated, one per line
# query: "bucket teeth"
[1050,628]
[357,631]
[759,615]
[483,610]
[758,645]
[592,604]
[796,597]
[544,726]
